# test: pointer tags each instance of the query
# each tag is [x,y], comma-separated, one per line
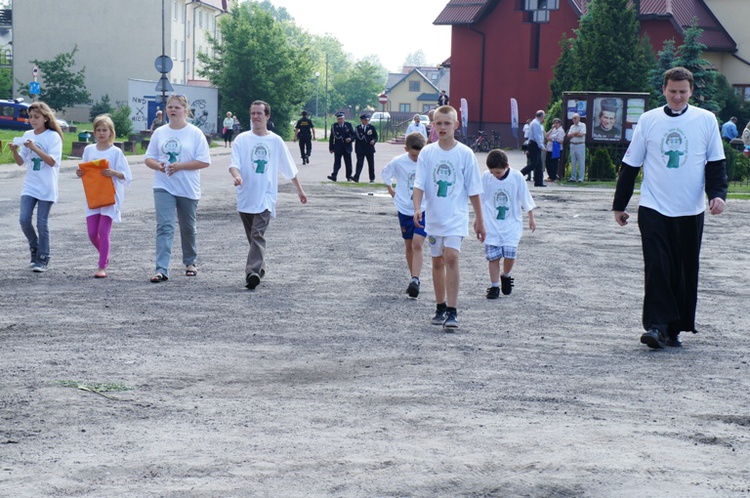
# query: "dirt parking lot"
[328,381]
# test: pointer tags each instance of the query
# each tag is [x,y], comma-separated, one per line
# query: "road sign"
[163,64]
[163,85]
[34,88]
[35,72]
[383,99]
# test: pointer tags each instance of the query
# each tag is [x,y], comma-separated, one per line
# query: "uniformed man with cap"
[366,137]
[304,131]
[340,145]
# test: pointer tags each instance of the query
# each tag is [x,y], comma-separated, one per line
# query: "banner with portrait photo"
[607,119]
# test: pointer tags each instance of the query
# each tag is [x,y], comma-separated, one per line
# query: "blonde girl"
[41,154]
[177,152]
[99,221]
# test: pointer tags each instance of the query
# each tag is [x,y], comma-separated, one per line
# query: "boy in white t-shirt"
[447,178]
[258,156]
[504,193]
[402,169]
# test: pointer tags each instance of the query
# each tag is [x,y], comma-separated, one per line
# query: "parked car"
[14,115]
[425,120]
[63,124]
[377,117]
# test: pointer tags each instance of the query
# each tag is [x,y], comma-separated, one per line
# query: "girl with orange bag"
[99,220]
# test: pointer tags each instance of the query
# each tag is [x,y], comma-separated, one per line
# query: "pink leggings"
[99,228]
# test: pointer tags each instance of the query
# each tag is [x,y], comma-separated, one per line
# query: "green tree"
[665,61]
[564,78]
[605,61]
[6,79]
[101,107]
[416,59]
[61,87]
[255,59]
[361,86]
[691,58]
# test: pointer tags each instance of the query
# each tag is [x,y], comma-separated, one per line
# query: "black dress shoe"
[654,339]
[673,342]
[331,177]
[542,185]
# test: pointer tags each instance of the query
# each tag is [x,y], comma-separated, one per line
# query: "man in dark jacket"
[340,145]
[366,137]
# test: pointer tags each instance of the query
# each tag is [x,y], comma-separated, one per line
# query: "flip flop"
[159,277]
[191,271]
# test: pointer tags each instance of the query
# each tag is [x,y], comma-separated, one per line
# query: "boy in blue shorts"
[504,193]
[402,169]
[447,179]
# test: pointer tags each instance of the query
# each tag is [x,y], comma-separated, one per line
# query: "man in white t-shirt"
[577,137]
[682,155]
[417,126]
[258,156]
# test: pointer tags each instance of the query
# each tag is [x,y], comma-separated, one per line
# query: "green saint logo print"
[260,158]
[502,204]
[444,177]
[172,149]
[674,147]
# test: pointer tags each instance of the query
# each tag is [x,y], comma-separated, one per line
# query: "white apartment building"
[117,40]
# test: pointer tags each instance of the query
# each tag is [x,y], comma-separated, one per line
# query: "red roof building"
[499,53]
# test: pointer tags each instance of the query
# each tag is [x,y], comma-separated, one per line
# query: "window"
[405,107]
[174,10]
[7,111]
[188,29]
[742,91]
[414,86]
[426,108]
[200,18]
[534,47]
[174,49]
[182,52]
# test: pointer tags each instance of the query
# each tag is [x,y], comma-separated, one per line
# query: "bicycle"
[481,144]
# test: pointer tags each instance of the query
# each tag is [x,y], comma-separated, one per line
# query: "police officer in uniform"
[304,131]
[366,137]
[340,145]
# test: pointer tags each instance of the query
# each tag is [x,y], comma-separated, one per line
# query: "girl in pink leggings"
[99,221]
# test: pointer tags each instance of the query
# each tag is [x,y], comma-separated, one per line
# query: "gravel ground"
[328,381]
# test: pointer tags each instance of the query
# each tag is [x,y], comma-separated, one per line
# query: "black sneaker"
[451,320]
[493,292]
[440,316]
[32,263]
[413,289]
[654,339]
[252,280]
[507,285]
[41,266]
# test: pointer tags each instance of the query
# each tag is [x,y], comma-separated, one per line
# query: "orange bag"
[99,189]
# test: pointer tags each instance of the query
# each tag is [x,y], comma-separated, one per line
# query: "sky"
[390,29]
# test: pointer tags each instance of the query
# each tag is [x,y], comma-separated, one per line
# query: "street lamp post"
[317,84]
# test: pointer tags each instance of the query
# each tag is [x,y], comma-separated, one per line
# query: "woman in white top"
[177,152]
[555,138]
[228,129]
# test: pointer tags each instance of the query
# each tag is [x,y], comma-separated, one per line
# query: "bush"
[121,119]
[741,168]
[601,166]
[555,111]
[101,107]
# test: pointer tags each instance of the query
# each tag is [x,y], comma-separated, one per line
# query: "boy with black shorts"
[402,169]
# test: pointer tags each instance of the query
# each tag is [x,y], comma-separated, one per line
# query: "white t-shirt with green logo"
[171,146]
[502,201]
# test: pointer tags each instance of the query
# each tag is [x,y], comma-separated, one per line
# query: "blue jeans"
[38,244]
[166,204]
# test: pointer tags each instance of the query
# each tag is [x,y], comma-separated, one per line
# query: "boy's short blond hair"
[415,141]
[448,110]
[106,120]
[497,159]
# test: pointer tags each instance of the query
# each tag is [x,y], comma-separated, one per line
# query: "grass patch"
[100,388]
